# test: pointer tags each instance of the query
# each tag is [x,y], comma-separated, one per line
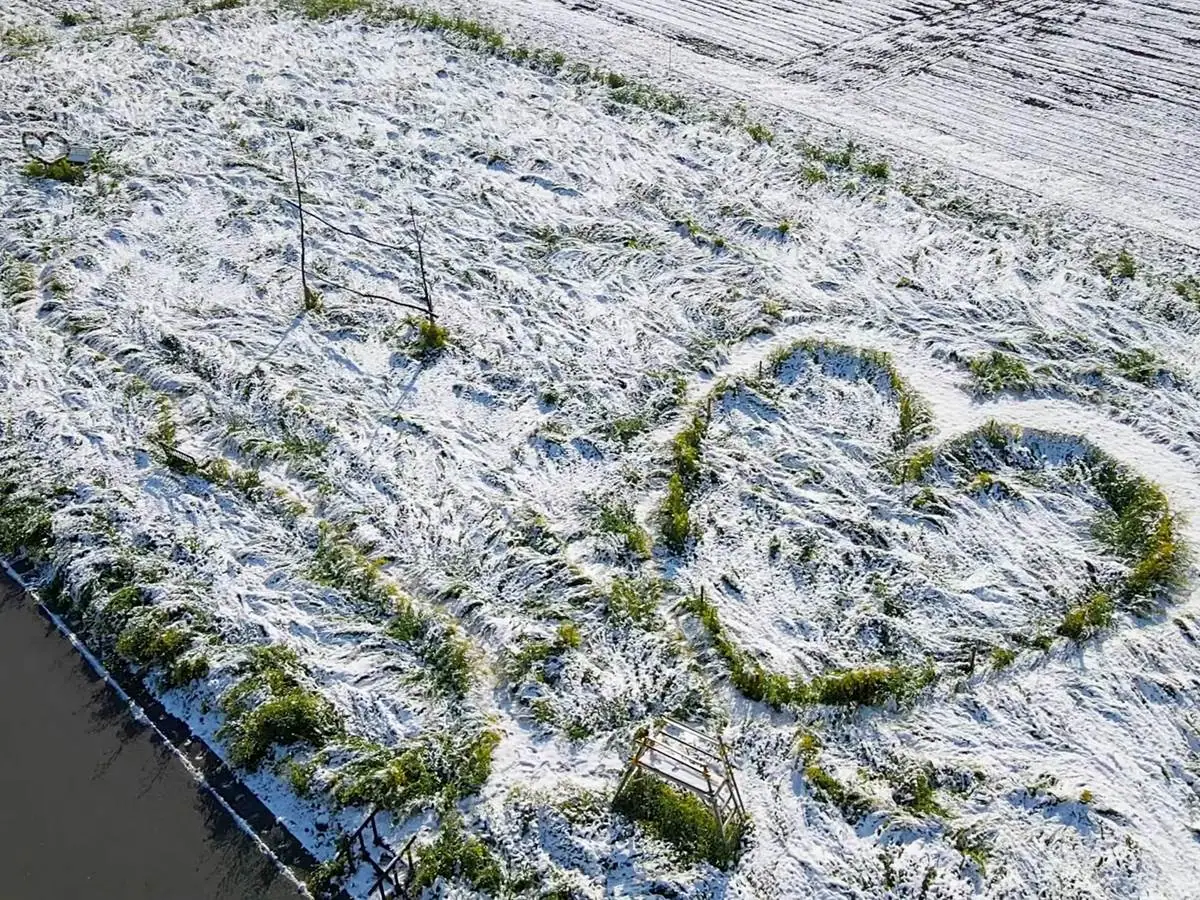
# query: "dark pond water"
[92,805]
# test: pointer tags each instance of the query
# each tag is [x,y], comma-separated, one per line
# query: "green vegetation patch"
[868,686]
[619,519]
[448,765]
[59,170]
[457,856]
[269,707]
[678,818]
[996,372]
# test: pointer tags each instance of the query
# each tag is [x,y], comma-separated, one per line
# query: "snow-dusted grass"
[443,539]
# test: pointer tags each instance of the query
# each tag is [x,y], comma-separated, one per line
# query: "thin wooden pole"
[412,214]
[300,206]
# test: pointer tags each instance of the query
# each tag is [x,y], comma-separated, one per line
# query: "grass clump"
[1089,617]
[1140,365]
[25,525]
[457,856]
[996,371]
[879,170]
[915,466]
[448,765]
[674,516]
[270,708]
[634,601]
[746,673]
[618,519]
[853,803]
[870,686]
[685,450]
[760,133]
[1141,529]
[1189,289]
[1123,265]
[154,639]
[626,429]
[679,819]
[1002,658]
[59,170]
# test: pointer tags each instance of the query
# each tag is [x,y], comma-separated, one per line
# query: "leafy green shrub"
[678,818]
[760,133]
[635,601]
[1087,618]
[995,372]
[269,708]
[618,518]
[60,170]
[457,856]
[674,517]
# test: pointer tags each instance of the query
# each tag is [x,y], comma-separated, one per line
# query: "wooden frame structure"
[693,762]
[390,883]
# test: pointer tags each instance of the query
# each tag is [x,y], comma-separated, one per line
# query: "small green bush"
[431,339]
[675,817]
[1084,620]
[996,372]
[60,170]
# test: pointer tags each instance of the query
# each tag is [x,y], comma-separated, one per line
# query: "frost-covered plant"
[853,803]
[879,170]
[760,133]
[449,765]
[1087,618]
[996,371]
[1140,365]
[457,856]
[674,517]
[618,519]
[635,601]
[269,707]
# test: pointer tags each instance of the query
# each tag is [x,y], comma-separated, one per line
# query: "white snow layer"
[586,257]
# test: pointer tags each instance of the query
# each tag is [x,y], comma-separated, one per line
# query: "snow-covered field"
[222,464]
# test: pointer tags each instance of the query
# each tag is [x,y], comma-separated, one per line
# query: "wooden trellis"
[696,763]
[393,870]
